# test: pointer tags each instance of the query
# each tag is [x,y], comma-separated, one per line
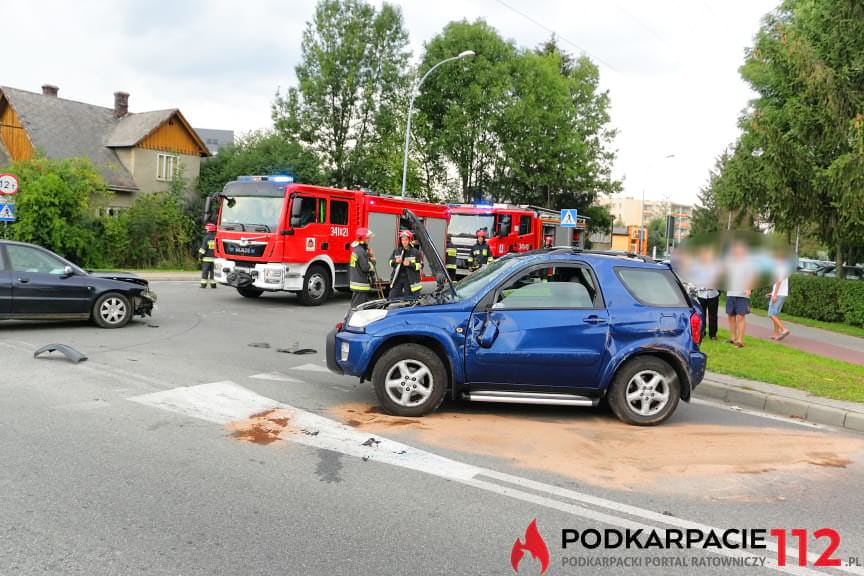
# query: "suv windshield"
[472,284]
[255,213]
[468,224]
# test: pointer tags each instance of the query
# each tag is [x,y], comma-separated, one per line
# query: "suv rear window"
[652,287]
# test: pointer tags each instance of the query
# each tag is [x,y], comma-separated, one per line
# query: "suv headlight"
[362,318]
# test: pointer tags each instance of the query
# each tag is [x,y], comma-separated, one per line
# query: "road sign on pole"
[568,218]
[8,184]
[7,212]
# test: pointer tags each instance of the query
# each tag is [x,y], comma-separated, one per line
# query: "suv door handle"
[594,320]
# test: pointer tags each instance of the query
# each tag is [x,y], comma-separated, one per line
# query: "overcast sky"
[671,66]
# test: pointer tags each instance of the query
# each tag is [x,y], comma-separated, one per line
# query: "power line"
[541,25]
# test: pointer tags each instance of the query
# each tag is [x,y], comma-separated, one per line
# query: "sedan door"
[545,327]
[5,284]
[41,286]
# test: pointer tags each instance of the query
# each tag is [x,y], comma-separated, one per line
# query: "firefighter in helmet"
[205,254]
[451,260]
[480,254]
[361,268]
[406,265]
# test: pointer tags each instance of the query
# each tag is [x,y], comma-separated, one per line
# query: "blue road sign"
[7,212]
[568,218]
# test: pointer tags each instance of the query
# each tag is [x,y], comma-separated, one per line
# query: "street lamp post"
[414,90]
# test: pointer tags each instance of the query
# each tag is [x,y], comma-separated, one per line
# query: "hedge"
[825,299]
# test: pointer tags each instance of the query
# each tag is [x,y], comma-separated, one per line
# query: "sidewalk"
[783,401]
[813,340]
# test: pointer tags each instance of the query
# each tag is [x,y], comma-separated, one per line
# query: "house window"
[166,165]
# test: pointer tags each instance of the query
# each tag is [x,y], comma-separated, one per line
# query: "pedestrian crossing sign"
[568,218]
[7,212]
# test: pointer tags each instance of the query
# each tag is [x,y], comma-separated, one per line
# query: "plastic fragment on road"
[259,345]
[371,442]
[71,354]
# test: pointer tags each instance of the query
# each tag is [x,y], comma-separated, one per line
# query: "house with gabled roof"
[135,152]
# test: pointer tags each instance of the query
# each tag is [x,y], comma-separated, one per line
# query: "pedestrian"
[739,272]
[480,254]
[706,273]
[206,253]
[779,292]
[406,265]
[361,268]
[452,258]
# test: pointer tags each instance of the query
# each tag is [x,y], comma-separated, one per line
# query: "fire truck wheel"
[316,286]
[250,292]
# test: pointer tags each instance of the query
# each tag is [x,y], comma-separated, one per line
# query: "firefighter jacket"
[360,268]
[208,246]
[410,268]
[479,256]
[452,253]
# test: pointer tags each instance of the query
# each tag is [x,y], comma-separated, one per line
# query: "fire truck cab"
[276,235]
[508,229]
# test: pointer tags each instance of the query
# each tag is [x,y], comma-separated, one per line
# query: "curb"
[782,401]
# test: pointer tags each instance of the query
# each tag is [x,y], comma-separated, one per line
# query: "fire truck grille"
[235,249]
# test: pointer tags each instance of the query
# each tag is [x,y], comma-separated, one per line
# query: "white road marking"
[223,402]
[766,415]
[274,376]
[311,368]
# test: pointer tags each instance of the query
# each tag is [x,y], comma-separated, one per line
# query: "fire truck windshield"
[253,213]
[468,224]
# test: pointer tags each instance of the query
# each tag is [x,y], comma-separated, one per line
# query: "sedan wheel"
[112,310]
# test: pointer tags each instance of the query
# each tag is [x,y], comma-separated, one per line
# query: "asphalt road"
[144,460]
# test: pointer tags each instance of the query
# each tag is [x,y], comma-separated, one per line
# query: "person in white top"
[779,292]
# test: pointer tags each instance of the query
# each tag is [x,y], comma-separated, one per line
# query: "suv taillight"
[696,327]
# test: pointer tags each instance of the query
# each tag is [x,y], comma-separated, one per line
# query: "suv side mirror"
[489,334]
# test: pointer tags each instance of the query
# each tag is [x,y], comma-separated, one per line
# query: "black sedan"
[36,284]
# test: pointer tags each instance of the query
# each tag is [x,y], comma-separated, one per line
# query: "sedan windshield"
[253,213]
[468,224]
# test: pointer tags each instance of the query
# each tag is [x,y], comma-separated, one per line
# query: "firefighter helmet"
[364,233]
[481,233]
[210,227]
[406,234]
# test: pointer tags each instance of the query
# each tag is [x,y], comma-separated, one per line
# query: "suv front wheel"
[409,380]
[645,391]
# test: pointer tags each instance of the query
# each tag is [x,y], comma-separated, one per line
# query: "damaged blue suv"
[557,326]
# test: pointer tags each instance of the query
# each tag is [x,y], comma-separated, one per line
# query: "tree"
[460,108]
[57,206]
[657,235]
[262,152]
[708,216]
[352,77]
[801,154]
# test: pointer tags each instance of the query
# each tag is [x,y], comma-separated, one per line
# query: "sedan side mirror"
[68,271]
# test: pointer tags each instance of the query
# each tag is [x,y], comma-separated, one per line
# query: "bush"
[158,233]
[825,299]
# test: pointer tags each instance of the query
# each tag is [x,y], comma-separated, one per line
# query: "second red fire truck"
[277,235]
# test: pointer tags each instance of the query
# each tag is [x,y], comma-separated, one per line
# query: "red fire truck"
[508,229]
[276,235]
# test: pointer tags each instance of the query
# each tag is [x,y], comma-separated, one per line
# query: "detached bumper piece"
[71,354]
[239,279]
[332,365]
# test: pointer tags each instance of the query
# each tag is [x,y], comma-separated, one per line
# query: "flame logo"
[534,544]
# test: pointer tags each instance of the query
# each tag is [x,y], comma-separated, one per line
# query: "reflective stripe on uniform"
[359,286]
[416,287]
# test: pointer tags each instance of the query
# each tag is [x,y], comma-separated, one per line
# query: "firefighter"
[450,262]
[547,242]
[480,254]
[361,269]
[406,265]
[205,254]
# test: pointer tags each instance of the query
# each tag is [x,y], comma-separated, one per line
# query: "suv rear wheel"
[645,391]
[409,380]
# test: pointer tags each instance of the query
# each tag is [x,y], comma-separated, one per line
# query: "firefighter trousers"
[207,269]
[361,297]
[402,289]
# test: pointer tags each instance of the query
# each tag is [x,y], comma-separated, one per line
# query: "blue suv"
[558,326]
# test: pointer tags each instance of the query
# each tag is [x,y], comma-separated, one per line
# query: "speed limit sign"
[8,184]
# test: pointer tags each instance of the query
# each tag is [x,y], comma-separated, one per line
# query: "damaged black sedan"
[36,284]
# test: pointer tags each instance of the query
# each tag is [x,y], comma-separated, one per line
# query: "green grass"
[146,270]
[840,328]
[767,361]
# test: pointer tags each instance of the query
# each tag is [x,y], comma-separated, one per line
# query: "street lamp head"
[467,54]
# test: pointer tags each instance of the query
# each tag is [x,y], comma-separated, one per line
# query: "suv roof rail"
[618,253]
